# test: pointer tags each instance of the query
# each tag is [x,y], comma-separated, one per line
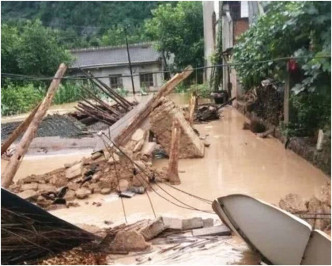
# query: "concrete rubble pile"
[161,119]
[316,211]
[101,173]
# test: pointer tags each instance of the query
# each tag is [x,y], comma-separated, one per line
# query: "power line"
[73,77]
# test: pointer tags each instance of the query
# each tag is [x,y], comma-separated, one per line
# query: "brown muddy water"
[237,161]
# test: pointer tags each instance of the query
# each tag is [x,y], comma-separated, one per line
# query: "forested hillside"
[84,23]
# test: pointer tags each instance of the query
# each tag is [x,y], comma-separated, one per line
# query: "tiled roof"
[113,56]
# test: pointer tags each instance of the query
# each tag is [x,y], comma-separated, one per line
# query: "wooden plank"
[122,130]
[173,163]
[18,131]
[29,134]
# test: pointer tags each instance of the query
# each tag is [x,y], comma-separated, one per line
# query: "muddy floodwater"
[237,161]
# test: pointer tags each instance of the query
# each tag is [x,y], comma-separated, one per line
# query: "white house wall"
[106,72]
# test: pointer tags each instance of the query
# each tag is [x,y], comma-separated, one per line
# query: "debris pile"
[316,211]
[103,173]
[161,119]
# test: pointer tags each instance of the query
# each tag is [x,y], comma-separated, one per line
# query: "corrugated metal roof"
[113,56]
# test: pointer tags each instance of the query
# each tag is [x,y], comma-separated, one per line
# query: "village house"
[111,63]
[235,17]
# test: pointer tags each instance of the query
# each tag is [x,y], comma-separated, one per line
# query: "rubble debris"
[94,176]
[153,229]
[192,223]
[293,203]
[161,119]
[74,171]
[82,193]
[220,230]
[316,211]
[126,241]
[28,194]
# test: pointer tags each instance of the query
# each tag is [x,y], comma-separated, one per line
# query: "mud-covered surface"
[52,125]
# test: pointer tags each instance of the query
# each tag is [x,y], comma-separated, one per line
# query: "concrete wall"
[158,78]
[210,10]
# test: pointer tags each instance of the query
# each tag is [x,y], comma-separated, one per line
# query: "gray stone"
[207,222]
[192,223]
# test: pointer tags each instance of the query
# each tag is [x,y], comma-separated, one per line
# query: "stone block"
[154,229]
[196,222]
[220,230]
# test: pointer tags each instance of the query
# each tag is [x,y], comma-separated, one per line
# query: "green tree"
[178,30]
[292,29]
[39,52]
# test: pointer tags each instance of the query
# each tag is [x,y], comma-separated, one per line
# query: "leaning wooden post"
[173,173]
[29,134]
[18,131]
[192,107]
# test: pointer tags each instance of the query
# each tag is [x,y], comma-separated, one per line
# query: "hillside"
[82,23]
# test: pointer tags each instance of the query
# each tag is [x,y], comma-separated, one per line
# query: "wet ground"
[237,161]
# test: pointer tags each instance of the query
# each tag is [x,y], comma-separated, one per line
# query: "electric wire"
[143,171]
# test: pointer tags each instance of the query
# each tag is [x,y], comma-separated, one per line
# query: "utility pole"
[130,68]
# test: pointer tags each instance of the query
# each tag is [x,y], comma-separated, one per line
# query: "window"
[146,80]
[116,81]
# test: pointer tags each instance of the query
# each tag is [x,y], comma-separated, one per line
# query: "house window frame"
[118,83]
[146,80]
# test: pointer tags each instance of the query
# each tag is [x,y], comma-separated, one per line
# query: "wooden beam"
[29,134]
[192,107]
[173,163]
[122,129]
[18,131]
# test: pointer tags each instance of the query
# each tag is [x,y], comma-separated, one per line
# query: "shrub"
[19,99]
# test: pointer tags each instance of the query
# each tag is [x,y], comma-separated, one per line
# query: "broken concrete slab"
[154,229]
[196,222]
[74,171]
[220,230]
[172,223]
[70,195]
